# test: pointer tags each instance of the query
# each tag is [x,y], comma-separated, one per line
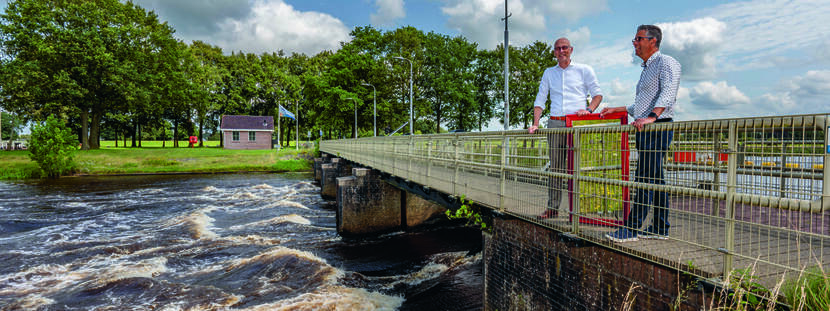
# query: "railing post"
[455,142]
[429,158]
[577,154]
[409,155]
[503,180]
[825,186]
[394,155]
[782,180]
[732,178]
[716,172]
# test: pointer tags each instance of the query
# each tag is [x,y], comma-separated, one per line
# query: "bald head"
[562,50]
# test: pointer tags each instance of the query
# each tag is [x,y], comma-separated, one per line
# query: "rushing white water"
[214,242]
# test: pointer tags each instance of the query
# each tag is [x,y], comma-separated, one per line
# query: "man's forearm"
[537,113]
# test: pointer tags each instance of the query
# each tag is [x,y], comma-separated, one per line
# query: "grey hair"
[652,31]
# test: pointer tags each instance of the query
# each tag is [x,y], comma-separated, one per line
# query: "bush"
[53,147]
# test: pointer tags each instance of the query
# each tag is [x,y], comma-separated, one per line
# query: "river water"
[216,242]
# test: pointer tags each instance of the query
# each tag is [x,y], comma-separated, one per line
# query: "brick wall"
[528,267]
[263,140]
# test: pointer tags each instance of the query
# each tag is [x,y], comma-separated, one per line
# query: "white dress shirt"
[568,88]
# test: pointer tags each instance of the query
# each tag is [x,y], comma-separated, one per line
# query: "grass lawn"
[152,158]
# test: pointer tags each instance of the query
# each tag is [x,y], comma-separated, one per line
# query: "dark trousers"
[557,151]
[651,147]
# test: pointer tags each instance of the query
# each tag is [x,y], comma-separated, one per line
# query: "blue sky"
[740,59]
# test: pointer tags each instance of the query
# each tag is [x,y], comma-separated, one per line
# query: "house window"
[235,136]
[251,136]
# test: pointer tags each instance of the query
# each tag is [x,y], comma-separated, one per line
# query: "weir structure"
[748,196]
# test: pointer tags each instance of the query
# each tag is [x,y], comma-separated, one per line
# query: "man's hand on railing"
[532,129]
[639,123]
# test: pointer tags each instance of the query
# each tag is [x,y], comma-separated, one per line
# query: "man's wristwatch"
[589,110]
[652,115]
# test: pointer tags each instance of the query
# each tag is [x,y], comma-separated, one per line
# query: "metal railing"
[744,193]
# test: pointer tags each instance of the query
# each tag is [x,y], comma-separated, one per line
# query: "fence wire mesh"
[741,193]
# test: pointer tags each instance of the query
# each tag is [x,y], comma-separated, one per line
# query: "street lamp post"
[375,102]
[410,93]
[355,116]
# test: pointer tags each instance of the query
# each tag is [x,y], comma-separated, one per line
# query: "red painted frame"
[624,169]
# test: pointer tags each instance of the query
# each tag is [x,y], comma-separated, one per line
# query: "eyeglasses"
[638,38]
[562,48]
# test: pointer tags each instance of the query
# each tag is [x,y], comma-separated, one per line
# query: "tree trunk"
[135,131]
[84,130]
[175,133]
[201,132]
[95,130]
[138,133]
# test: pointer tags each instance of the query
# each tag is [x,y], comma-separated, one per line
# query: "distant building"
[247,132]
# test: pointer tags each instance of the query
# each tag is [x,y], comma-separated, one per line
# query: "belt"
[663,120]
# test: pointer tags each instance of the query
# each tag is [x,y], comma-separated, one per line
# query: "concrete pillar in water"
[366,204]
[318,166]
[422,212]
[328,179]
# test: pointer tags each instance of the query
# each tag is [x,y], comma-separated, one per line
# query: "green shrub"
[472,213]
[52,146]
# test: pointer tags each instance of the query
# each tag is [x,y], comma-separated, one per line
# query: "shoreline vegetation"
[152,158]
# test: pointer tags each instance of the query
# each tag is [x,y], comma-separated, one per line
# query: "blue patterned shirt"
[658,86]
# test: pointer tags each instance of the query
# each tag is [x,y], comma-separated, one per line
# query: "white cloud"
[717,96]
[388,12]
[617,93]
[802,94]
[776,104]
[579,38]
[756,30]
[815,83]
[480,20]
[275,25]
[694,44]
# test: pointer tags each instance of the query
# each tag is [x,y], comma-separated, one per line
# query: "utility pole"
[506,70]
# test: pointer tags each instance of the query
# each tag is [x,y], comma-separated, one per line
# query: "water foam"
[210,189]
[198,223]
[263,186]
[288,203]
[147,268]
[292,218]
[31,302]
[252,239]
[336,298]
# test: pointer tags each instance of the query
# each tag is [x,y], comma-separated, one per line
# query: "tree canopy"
[114,70]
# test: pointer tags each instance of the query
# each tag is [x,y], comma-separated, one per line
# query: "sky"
[739,59]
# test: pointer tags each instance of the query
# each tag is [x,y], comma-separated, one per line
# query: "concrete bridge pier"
[329,172]
[318,167]
[367,205]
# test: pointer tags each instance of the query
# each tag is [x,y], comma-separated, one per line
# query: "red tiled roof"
[247,123]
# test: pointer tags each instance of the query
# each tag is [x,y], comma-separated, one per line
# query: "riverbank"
[109,160]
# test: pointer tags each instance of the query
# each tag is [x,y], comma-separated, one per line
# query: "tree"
[53,147]
[10,126]
[83,58]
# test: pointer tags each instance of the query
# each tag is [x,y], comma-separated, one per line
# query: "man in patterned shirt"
[568,85]
[654,102]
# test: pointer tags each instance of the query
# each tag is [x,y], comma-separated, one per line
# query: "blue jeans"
[651,147]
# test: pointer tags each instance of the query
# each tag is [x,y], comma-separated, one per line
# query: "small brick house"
[247,132]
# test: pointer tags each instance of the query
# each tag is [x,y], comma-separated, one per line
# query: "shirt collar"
[650,59]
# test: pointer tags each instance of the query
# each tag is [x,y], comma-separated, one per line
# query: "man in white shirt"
[569,85]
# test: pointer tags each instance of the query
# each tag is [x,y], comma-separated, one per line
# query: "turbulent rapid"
[216,242]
